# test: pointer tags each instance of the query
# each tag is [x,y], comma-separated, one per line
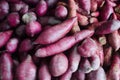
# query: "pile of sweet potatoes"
[59,40]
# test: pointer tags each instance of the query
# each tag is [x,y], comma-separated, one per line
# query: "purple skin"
[4,9]
[59,46]
[74,59]
[108,27]
[56,32]
[66,76]
[12,45]
[95,62]
[56,47]
[61,12]
[25,46]
[99,74]
[43,73]
[33,28]
[4,37]
[13,19]
[85,5]
[114,40]
[55,65]
[106,11]
[85,66]
[41,8]
[78,75]
[114,71]
[26,70]
[87,48]
[6,65]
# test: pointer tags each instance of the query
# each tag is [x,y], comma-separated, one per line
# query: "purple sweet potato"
[94,5]
[6,65]
[33,28]
[4,9]
[41,8]
[114,71]
[26,70]
[78,75]
[85,66]
[85,5]
[4,37]
[107,27]
[114,40]
[25,45]
[106,11]
[61,12]
[12,45]
[99,74]
[74,59]
[58,65]
[13,19]
[56,32]
[100,53]
[43,73]
[107,55]
[95,62]
[87,48]
[66,76]
[59,46]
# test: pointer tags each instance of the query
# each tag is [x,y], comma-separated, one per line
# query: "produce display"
[59,39]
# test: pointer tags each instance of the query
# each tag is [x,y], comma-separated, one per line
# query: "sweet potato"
[114,71]
[100,53]
[43,73]
[74,59]
[26,70]
[106,11]
[85,5]
[4,37]
[67,75]
[97,75]
[56,32]
[107,56]
[59,45]
[12,45]
[107,27]
[85,66]
[6,66]
[95,62]
[114,40]
[58,65]
[78,75]
[25,45]
[87,48]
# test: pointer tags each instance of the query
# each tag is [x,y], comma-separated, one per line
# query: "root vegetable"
[58,65]
[26,70]
[6,66]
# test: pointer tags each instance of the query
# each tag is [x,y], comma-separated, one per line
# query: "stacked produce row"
[59,40]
